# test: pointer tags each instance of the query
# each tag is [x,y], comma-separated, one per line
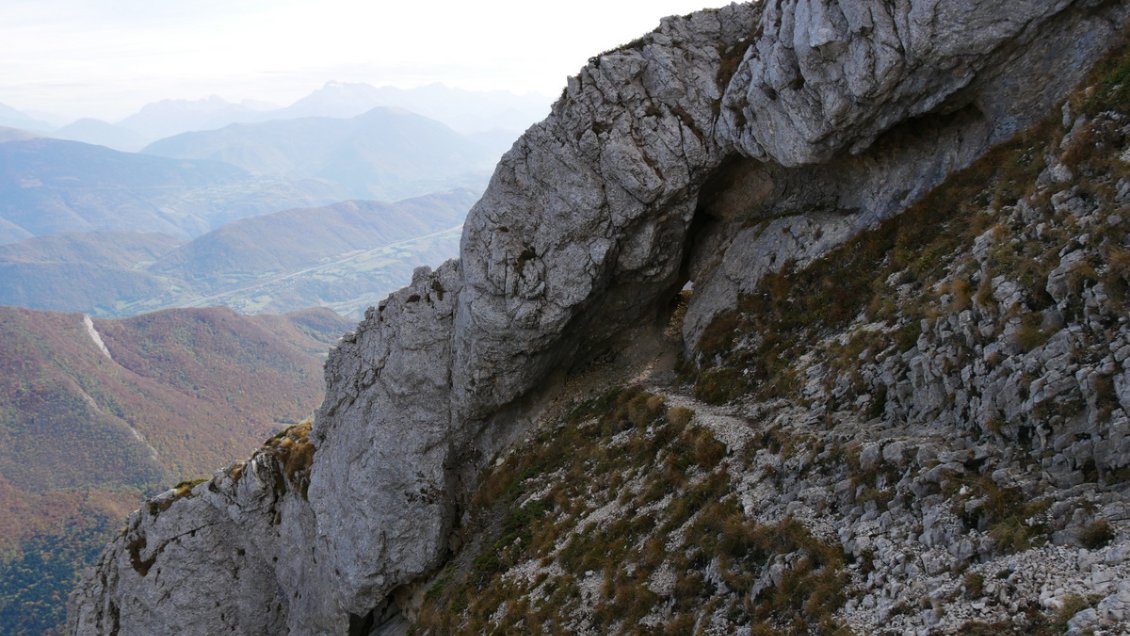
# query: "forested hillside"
[97,414]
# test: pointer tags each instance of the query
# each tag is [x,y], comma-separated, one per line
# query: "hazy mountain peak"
[210,102]
[48,186]
[102,133]
[465,111]
[334,85]
[381,152]
[173,116]
[12,118]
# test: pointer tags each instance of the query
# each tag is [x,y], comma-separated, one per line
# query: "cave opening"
[362,625]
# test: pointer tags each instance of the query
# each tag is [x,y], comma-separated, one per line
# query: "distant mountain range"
[489,116]
[295,239]
[12,118]
[468,112]
[174,116]
[383,153]
[48,186]
[346,256]
[96,131]
[87,228]
[195,182]
[97,413]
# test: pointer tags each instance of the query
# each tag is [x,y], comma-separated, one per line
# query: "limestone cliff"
[715,150]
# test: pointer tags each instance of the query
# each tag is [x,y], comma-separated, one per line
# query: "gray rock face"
[586,217]
[828,75]
[380,487]
[233,554]
[815,117]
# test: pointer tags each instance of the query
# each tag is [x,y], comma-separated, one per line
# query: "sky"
[107,58]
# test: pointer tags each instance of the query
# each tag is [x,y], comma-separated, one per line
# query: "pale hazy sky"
[106,58]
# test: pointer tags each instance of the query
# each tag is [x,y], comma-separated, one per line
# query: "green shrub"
[718,386]
[974,585]
[1072,605]
[1096,534]
[1029,335]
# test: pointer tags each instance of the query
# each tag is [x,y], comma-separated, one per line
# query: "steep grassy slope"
[621,517]
[247,375]
[924,429]
[85,433]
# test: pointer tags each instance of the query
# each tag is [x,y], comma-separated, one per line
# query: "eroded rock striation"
[233,554]
[818,118]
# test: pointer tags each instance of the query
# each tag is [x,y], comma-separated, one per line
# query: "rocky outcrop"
[828,76]
[233,554]
[818,117]
[383,500]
